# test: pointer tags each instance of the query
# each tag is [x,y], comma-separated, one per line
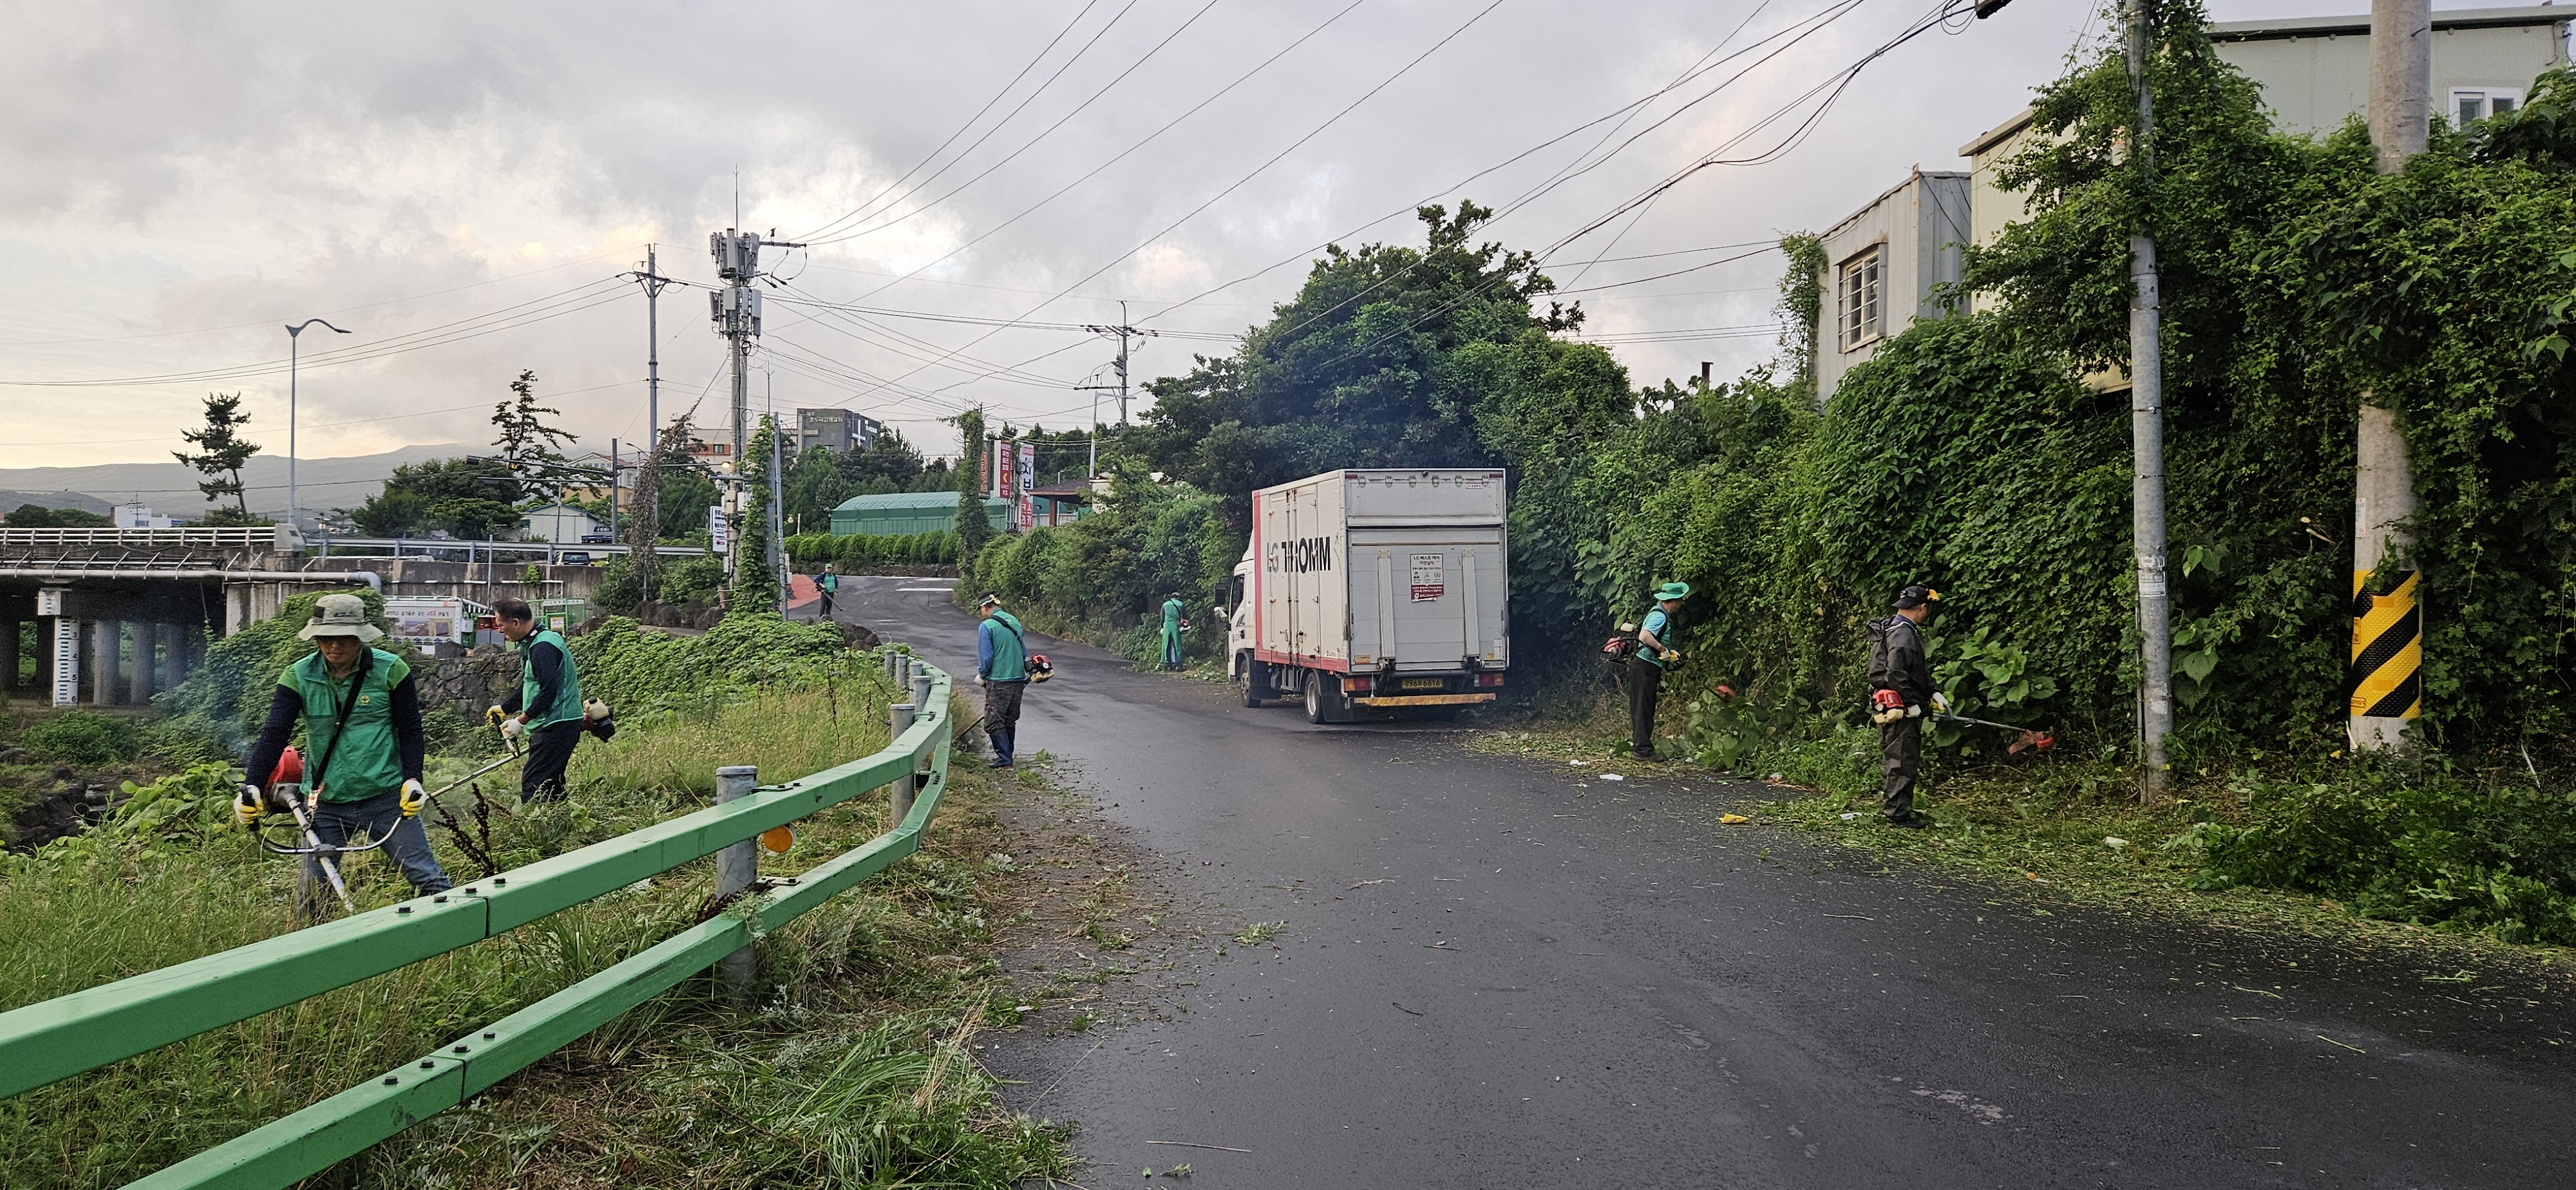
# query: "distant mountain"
[171,488]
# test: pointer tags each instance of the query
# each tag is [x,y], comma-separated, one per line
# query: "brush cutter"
[286,784]
[2023,737]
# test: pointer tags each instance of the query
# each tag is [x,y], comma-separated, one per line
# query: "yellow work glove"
[249,805]
[494,715]
[413,798]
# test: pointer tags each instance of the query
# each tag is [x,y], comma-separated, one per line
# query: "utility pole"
[777,547]
[612,490]
[1123,331]
[653,281]
[2147,434]
[735,309]
[2384,678]
[294,342]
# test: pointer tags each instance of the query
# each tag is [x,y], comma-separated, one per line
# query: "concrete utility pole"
[2385,674]
[735,309]
[1123,331]
[2147,437]
[653,281]
[777,490]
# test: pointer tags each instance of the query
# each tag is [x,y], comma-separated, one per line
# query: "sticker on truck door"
[1430,577]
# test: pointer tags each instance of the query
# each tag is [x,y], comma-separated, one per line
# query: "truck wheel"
[1316,710]
[1256,680]
[1325,701]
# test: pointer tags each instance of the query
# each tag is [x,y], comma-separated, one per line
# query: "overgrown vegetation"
[1101,577]
[848,1066]
[810,552]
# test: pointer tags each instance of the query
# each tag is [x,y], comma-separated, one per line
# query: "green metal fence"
[47,1042]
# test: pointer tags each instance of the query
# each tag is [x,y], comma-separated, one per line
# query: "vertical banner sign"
[1430,577]
[719,534]
[1005,456]
[1028,481]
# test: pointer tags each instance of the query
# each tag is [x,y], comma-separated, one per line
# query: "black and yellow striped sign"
[2386,677]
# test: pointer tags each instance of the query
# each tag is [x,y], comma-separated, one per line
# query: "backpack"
[1621,646]
[1880,663]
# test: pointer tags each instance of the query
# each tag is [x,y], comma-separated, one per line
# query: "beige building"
[2316,70]
[1881,264]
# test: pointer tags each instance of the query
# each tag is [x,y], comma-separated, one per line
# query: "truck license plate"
[1423,684]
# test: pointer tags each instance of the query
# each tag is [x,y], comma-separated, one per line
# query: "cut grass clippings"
[2047,841]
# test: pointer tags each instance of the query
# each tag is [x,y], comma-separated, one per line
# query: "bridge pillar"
[141,667]
[9,654]
[102,662]
[176,640]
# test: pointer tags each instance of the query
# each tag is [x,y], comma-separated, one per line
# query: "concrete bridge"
[120,614]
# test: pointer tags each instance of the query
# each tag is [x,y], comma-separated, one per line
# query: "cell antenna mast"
[1122,330]
[735,309]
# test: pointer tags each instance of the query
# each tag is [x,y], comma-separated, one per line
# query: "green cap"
[1672,591]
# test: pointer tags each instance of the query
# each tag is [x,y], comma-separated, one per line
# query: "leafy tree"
[1357,370]
[465,498]
[528,445]
[755,582]
[889,464]
[221,451]
[816,484]
[973,527]
[37,516]
[682,491]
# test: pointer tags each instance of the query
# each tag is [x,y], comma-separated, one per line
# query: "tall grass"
[91,910]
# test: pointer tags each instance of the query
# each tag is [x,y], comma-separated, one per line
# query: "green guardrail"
[50,1041]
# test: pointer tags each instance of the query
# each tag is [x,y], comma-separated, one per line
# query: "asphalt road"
[1495,973]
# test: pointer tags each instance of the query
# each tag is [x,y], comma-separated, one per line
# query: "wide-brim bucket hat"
[1672,591]
[340,615]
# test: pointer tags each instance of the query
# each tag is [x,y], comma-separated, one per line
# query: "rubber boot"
[1001,749]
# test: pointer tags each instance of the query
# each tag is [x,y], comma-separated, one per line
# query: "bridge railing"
[266,538]
[56,1039]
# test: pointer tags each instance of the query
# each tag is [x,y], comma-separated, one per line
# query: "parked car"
[597,539]
[573,558]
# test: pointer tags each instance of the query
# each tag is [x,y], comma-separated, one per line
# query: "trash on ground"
[2114,842]
[1612,777]
[1849,815]
[1578,762]
[1733,819]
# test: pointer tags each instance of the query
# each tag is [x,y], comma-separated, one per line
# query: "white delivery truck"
[1383,588]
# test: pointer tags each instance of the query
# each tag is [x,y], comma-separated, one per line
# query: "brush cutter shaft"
[322,854]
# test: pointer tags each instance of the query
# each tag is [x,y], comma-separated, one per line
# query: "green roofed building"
[905,513]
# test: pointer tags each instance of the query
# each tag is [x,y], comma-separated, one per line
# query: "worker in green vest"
[1002,669]
[828,584]
[547,706]
[363,745]
[1173,623]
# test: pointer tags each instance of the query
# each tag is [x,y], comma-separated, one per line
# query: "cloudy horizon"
[464,188]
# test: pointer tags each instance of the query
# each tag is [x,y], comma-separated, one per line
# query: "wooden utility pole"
[2147,435]
[2385,676]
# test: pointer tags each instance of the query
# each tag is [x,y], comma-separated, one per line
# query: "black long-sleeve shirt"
[545,664]
[285,706]
[1909,673]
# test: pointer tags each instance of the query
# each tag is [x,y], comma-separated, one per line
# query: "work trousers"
[1171,650]
[827,605]
[338,822]
[1900,745]
[1002,717]
[549,750]
[1645,682]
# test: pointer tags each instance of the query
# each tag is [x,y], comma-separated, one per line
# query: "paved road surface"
[1546,990]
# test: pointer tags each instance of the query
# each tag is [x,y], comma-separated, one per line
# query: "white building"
[137,515]
[1881,264]
[560,524]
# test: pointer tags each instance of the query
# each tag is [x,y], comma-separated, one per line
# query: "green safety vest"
[1010,648]
[366,762]
[1172,619]
[567,692]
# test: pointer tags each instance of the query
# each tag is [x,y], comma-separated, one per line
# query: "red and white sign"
[1430,577]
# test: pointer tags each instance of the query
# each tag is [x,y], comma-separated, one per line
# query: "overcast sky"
[461,185]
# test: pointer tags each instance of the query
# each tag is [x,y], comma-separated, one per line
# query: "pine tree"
[221,451]
[527,443]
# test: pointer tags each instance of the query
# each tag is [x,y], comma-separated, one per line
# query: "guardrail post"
[736,866]
[900,719]
[920,688]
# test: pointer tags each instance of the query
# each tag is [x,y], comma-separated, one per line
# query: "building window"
[2472,104]
[1857,297]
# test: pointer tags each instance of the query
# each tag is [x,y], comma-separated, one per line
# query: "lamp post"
[294,338]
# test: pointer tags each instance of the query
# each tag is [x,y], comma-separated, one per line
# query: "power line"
[1049,130]
[1293,146]
[979,114]
[571,301]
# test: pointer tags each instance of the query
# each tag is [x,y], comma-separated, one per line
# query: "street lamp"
[294,337]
